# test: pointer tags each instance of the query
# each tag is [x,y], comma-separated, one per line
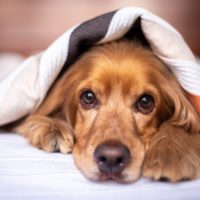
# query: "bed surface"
[29,173]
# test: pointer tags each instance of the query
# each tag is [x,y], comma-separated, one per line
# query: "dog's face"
[116,97]
[119,105]
[117,113]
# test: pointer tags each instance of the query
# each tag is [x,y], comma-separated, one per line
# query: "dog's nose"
[111,157]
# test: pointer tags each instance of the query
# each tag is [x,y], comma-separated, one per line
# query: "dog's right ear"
[59,101]
[182,112]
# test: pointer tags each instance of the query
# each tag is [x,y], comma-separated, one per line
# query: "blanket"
[24,88]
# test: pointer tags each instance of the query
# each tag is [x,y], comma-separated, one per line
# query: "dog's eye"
[88,99]
[145,104]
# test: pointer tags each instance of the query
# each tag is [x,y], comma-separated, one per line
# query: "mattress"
[29,173]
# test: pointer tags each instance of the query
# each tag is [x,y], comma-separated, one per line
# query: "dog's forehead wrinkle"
[122,84]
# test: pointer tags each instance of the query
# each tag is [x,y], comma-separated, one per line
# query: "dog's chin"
[121,178]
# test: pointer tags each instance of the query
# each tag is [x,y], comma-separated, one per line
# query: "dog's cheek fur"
[146,127]
[83,150]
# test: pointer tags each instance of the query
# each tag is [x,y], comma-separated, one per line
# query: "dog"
[122,114]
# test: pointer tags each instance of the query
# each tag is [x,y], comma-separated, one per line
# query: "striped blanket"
[23,89]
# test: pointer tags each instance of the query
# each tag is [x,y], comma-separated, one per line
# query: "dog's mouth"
[117,177]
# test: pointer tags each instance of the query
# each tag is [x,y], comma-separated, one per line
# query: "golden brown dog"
[122,114]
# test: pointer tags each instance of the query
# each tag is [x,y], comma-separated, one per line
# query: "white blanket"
[27,173]
[24,89]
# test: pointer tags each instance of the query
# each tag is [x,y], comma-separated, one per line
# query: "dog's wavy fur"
[164,144]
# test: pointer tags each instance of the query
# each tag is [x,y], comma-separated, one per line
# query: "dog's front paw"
[172,158]
[164,163]
[51,135]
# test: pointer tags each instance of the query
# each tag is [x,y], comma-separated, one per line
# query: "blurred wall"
[27,26]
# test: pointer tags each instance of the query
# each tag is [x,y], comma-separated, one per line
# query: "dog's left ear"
[60,101]
[182,112]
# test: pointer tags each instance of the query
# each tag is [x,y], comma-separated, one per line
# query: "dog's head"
[115,97]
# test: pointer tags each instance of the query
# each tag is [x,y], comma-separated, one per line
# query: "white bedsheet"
[28,173]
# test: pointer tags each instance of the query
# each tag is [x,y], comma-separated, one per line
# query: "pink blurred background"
[27,26]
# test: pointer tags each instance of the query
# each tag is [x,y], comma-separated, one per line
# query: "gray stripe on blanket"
[85,35]
[92,31]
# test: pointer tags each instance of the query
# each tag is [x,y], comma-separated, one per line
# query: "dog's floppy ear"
[60,99]
[182,112]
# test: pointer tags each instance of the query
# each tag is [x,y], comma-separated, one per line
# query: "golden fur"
[163,144]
